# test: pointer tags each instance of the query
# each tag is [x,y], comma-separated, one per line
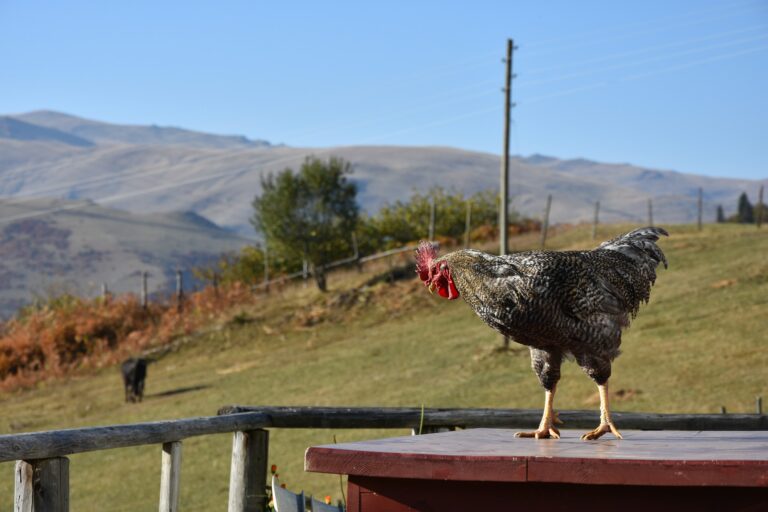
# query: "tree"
[746,214]
[403,222]
[720,213]
[309,215]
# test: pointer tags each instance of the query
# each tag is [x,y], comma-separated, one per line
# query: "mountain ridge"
[219,183]
[99,132]
[50,246]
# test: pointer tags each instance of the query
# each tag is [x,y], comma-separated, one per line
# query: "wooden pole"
[248,476]
[266,266]
[650,212]
[42,485]
[701,207]
[432,218]
[104,291]
[356,252]
[761,208]
[179,291]
[504,181]
[595,220]
[305,271]
[545,225]
[759,405]
[144,294]
[468,223]
[170,475]
[23,494]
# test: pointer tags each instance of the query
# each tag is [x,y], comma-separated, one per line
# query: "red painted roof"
[641,458]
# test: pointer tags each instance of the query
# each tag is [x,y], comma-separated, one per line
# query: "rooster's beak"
[432,287]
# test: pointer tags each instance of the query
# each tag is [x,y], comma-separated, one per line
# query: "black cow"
[134,372]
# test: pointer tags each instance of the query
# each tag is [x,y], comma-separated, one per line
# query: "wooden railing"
[42,468]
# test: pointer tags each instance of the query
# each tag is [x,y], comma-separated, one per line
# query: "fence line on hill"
[357,260]
[42,467]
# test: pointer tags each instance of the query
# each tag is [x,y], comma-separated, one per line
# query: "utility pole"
[595,220]
[504,192]
[504,203]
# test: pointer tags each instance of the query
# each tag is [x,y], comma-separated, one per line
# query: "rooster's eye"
[443,266]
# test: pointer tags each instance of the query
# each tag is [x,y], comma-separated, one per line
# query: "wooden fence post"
[701,207]
[104,292]
[266,266]
[545,226]
[144,294]
[179,291]
[356,251]
[42,485]
[595,220]
[170,473]
[248,476]
[431,219]
[468,223]
[650,212]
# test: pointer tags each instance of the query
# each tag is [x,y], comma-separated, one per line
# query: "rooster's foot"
[604,428]
[541,433]
[556,419]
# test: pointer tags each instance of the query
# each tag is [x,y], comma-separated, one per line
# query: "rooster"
[560,304]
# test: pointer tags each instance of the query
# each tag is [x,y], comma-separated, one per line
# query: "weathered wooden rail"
[42,468]
[411,417]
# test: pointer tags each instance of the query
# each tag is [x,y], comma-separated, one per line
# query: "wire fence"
[653,213]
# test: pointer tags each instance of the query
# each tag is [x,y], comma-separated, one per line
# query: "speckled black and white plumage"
[557,303]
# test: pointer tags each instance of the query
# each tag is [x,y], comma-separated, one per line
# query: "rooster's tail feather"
[640,246]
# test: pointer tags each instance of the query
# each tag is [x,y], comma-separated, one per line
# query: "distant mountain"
[14,129]
[219,183]
[48,246]
[60,176]
[106,133]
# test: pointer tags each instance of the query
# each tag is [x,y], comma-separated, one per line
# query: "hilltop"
[696,346]
[156,169]
[50,246]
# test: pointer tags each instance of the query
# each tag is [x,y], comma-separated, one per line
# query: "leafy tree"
[720,213]
[745,212]
[308,215]
[402,222]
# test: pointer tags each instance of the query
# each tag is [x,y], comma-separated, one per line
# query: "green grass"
[698,345]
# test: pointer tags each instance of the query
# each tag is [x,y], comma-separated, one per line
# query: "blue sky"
[671,85]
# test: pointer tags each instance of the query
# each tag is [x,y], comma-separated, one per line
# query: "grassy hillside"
[51,246]
[698,345]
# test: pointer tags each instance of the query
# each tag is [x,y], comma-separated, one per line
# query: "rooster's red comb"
[425,255]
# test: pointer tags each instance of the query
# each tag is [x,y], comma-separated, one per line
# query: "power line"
[272,163]
[633,63]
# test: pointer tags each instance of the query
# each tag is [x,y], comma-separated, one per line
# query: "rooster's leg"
[606,424]
[547,427]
